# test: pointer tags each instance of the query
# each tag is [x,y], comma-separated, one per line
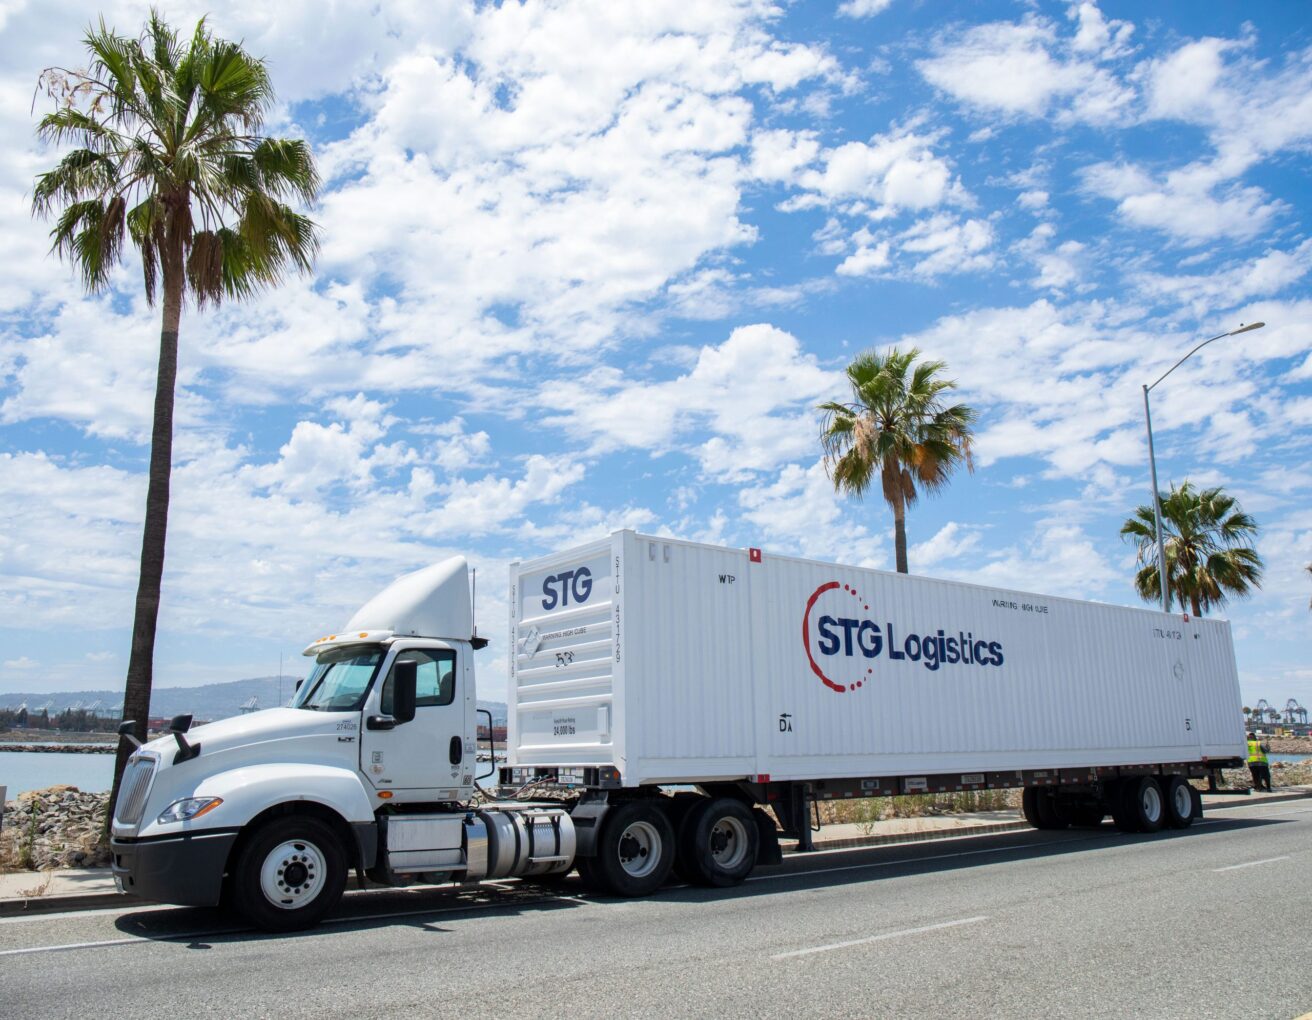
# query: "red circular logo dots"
[839,642]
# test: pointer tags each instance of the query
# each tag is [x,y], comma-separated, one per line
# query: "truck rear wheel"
[720,843]
[1180,803]
[635,850]
[289,874]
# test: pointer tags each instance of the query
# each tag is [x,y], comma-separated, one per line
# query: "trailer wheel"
[1143,808]
[1179,803]
[289,874]
[1041,809]
[635,850]
[1029,806]
[720,842]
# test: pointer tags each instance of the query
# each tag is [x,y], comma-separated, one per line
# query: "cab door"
[425,758]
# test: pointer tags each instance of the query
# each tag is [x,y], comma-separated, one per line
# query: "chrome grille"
[132,792]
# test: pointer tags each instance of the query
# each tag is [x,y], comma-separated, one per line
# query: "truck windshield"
[340,680]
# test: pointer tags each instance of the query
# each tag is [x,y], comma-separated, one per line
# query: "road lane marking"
[878,938]
[70,945]
[1253,864]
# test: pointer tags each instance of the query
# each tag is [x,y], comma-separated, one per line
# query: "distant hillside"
[209,701]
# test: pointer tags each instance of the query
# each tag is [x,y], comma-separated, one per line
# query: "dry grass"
[41,888]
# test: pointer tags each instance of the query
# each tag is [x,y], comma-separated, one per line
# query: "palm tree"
[897,426]
[169,157]
[1209,548]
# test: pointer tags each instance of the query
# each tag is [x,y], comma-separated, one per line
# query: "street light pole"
[1152,459]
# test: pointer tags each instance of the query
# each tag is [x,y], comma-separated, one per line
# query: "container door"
[564,617]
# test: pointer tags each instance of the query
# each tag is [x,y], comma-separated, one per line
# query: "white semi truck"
[673,706]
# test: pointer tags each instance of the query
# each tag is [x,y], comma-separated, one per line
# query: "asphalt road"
[1210,922]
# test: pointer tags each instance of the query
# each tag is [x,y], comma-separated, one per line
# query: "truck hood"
[272,724]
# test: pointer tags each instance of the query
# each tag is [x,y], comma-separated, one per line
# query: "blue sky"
[592,265]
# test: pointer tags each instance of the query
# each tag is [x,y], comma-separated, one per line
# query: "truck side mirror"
[404,682]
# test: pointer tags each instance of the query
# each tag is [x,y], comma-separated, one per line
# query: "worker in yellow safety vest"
[1258,767]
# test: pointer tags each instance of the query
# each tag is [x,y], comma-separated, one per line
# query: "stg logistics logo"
[842,641]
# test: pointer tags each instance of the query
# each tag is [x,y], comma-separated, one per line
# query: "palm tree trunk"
[1198,609]
[136,695]
[900,537]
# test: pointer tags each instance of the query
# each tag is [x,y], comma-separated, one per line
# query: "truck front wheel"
[289,874]
[635,850]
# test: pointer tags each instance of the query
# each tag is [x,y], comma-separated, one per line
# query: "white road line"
[878,938]
[68,946]
[1253,864]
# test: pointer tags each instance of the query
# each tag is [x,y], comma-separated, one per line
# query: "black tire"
[1041,809]
[1179,803]
[1029,806]
[681,810]
[289,874]
[635,850]
[1143,804]
[719,843]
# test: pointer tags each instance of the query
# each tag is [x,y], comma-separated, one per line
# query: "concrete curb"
[90,901]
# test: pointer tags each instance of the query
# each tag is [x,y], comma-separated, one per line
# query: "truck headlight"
[186,810]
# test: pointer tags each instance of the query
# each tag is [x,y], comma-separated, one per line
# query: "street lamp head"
[1246,329]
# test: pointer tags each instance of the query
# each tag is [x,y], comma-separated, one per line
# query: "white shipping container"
[675,662]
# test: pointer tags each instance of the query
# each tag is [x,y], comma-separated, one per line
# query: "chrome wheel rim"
[728,842]
[640,849]
[292,874]
[1152,803]
[1184,801]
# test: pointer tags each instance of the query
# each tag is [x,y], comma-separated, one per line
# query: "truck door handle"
[457,750]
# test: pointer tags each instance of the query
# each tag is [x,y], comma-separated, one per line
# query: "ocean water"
[21,771]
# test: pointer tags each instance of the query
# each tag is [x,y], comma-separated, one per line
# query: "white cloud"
[1035,198]
[949,542]
[867,260]
[1061,559]
[754,394]
[862,8]
[1097,35]
[1193,204]
[779,155]
[800,512]
[1061,267]
[1024,70]
[893,173]
[943,244]
[21,663]
[1230,286]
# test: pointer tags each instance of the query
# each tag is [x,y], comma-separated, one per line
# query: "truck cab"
[371,768]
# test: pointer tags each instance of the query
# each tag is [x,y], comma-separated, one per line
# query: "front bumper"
[186,869]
